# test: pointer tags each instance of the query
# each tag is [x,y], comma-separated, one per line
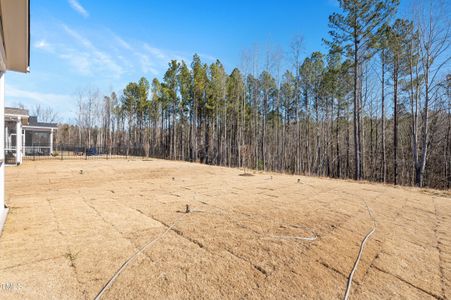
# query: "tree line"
[376,106]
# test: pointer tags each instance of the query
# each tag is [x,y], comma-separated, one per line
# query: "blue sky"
[80,44]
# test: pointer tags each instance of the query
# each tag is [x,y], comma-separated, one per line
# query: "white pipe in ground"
[362,246]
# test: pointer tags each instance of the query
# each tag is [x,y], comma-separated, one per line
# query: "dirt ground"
[69,231]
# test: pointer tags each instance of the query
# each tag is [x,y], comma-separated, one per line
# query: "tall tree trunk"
[356,115]
[337,141]
[383,152]
[425,139]
[307,133]
[395,123]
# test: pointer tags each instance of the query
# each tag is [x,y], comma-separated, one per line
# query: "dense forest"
[376,106]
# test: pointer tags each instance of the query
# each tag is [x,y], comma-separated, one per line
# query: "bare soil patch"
[69,231]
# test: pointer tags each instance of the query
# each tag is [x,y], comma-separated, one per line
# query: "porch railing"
[36,150]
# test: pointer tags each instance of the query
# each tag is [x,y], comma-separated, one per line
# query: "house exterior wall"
[3,210]
[14,40]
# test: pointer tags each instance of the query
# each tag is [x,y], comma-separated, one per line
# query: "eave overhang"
[15,35]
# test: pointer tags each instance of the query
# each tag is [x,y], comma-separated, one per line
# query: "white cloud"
[91,58]
[146,64]
[161,58]
[104,54]
[208,57]
[30,99]
[78,37]
[121,42]
[78,8]
[43,45]
[164,56]
[147,59]
[78,60]
[37,97]
[158,53]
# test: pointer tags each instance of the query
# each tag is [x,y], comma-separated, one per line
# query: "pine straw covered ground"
[67,233]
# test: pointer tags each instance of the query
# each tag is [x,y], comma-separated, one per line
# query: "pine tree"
[397,44]
[355,30]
